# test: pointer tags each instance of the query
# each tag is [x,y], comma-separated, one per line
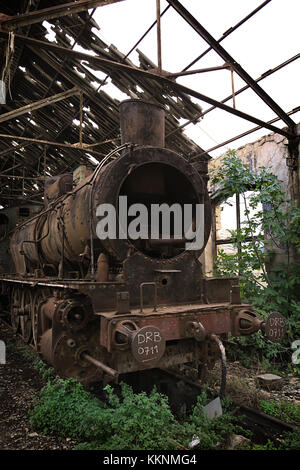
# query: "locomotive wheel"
[202,373]
[16,303]
[26,328]
[37,298]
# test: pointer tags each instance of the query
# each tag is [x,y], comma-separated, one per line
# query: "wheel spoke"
[14,309]
[26,327]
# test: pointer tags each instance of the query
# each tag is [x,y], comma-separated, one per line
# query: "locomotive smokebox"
[142,123]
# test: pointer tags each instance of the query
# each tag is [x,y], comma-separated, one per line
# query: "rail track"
[261,424]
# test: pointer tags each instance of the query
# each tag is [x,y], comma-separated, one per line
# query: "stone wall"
[269,151]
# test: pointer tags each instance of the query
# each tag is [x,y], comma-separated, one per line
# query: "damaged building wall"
[269,151]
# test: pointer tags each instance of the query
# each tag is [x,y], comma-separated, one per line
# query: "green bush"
[66,409]
[286,411]
[268,446]
[143,422]
[276,226]
[45,371]
[291,441]
[213,433]
[131,421]
[137,421]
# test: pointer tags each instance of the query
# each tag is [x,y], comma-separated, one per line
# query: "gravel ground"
[243,388]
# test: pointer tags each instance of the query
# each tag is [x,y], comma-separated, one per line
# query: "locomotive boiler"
[97,308]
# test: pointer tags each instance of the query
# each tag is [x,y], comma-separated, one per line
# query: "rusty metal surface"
[218,289]
[99,365]
[136,159]
[10,23]
[148,345]
[173,325]
[142,123]
[175,354]
[275,327]
[57,186]
[45,346]
[68,329]
[102,268]
[59,238]
[175,283]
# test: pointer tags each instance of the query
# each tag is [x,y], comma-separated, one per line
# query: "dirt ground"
[20,384]
[242,387]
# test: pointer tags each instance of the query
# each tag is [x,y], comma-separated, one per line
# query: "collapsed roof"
[63,131]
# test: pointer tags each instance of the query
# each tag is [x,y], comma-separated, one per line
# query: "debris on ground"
[269,381]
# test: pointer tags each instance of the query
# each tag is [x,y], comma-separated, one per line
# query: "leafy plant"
[27,353]
[129,421]
[45,371]
[291,441]
[66,409]
[271,222]
[10,346]
[296,370]
[269,445]
[170,433]
[212,433]
[284,410]
[139,421]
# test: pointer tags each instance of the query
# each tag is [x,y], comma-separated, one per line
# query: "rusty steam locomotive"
[95,308]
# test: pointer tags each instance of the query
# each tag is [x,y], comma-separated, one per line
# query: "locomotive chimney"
[142,123]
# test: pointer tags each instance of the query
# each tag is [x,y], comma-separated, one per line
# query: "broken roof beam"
[189,18]
[192,72]
[75,146]
[146,32]
[10,23]
[38,104]
[110,66]
[23,199]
